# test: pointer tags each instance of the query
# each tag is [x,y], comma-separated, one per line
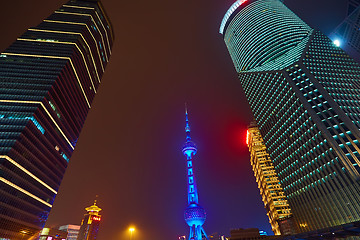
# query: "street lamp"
[131,230]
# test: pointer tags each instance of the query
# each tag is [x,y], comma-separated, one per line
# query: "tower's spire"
[187,127]
[189,148]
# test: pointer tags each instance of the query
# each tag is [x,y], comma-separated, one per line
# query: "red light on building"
[95,218]
[247,137]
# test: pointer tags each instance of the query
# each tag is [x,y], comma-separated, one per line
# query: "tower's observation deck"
[189,149]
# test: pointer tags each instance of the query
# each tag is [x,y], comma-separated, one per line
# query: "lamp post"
[131,230]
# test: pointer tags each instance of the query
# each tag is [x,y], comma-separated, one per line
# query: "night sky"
[165,53]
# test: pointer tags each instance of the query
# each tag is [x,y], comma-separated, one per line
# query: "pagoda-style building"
[90,223]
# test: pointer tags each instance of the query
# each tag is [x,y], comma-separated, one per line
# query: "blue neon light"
[37,124]
[263,233]
[195,215]
[34,121]
[65,157]
[189,149]
[74,142]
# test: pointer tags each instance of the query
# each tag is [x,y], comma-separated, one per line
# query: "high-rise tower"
[90,224]
[348,31]
[272,193]
[304,93]
[352,5]
[48,79]
[194,215]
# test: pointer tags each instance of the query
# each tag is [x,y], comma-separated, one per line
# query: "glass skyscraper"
[348,32]
[353,4]
[304,93]
[272,194]
[48,79]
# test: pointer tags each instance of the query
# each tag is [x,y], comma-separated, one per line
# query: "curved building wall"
[262,31]
[306,104]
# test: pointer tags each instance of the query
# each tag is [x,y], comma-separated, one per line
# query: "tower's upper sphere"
[194,215]
[189,148]
[262,32]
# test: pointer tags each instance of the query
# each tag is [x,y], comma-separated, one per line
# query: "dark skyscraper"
[348,32]
[353,4]
[304,93]
[49,77]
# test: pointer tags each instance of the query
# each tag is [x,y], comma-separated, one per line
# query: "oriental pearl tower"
[194,214]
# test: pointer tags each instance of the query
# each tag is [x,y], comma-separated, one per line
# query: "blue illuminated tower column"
[194,214]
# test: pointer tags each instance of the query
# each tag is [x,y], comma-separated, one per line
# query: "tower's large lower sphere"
[194,215]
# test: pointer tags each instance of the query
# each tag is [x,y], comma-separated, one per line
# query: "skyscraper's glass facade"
[353,4]
[48,79]
[272,194]
[304,93]
[348,32]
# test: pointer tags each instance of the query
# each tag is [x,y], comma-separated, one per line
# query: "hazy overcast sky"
[166,53]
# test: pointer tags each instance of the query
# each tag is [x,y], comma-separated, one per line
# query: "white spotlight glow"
[337,43]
